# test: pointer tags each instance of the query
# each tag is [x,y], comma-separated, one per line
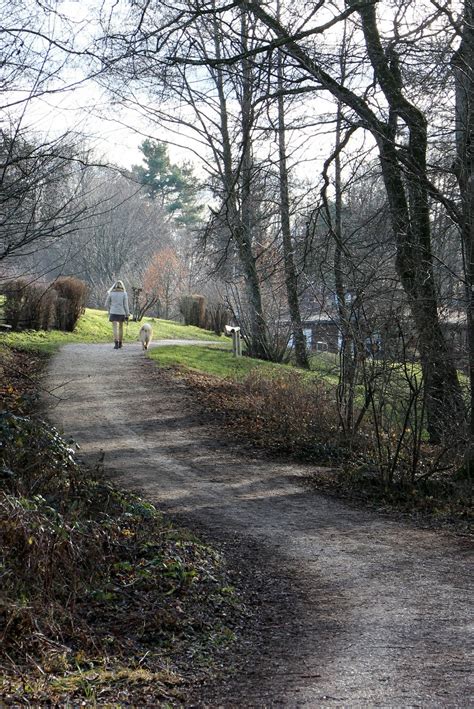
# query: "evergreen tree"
[174,186]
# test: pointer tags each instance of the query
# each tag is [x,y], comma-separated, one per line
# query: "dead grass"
[278,412]
[284,415]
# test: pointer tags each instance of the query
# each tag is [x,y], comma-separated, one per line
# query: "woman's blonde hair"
[118,285]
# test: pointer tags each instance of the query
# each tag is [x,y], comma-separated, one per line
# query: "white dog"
[146,333]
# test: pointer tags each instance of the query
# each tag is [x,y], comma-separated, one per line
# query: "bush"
[30,306]
[293,415]
[34,459]
[217,317]
[193,310]
[284,413]
[39,306]
[91,572]
[62,313]
[208,316]
[14,301]
[72,294]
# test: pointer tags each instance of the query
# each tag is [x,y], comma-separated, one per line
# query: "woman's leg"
[120,333]
[115,328]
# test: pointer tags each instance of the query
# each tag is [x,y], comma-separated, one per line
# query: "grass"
[218,362]
[93,327]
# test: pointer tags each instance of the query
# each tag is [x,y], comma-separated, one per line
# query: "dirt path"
[372,612]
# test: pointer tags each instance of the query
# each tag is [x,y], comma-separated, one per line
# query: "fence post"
[239,343]
[135,302]
[234,332]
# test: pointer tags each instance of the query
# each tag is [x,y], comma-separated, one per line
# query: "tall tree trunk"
[406,186]
[414,266]
[291,276]
[348,353]
[463,63]
[259,343]
[240,223]
[408,206]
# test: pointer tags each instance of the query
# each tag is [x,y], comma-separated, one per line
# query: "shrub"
[34,458]
[14,301]
[47,315]
[284,413]
[217,317]
[193,310]
[293,415]
[72,294]
[62,313]
[30,305]
[209,316]
[89,570]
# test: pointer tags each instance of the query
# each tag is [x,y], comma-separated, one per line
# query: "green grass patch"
[171,330]
[326,365]
[94,327]
[216,361]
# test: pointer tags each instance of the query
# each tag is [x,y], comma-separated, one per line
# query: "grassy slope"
[211,360]
[219,362]
[94,327]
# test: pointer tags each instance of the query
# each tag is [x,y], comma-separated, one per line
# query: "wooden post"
[135,302]
[234,332]
[236,344]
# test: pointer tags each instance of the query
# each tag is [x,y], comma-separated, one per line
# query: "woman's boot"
[116,345]
[120,344]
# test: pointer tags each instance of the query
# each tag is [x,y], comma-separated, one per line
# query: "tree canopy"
[174,186]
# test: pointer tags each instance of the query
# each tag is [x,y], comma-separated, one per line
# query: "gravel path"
[372,612]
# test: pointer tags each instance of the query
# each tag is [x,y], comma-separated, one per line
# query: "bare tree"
[291,275]
[122,230]
[220,113]
[40,176]
[40,193]
[405,174]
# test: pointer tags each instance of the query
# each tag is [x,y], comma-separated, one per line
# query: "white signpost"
[236,341]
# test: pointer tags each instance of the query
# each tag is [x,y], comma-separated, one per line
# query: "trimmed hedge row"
[208,315]
[40,306]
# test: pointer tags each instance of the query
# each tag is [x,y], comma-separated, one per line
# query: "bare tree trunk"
[410,218]
[240,225]
[291,276]
[348,353]
[463,63]
[414,266]
[405,179]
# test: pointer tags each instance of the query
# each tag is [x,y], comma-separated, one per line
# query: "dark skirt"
[116,318]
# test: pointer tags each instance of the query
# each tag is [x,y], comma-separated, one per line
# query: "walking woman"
[117,305]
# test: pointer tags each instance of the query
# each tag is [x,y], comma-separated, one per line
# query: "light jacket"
[117,303]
